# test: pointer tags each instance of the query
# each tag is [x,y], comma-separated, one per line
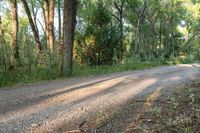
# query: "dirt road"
[51,106]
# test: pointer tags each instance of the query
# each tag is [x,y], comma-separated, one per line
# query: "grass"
[25,76]
[35,74]
[106,69]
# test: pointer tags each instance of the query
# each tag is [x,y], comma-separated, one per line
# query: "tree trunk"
[36,36]
[120,9]
[121,36]
[172,39]
[172,35]
[34,13]
[15,29]
[160,36]
[2,44]
[60,45]
[46,21]
[59,23]
[51,25]
[69,23]
[137,36]
[137,31]
[166,47]
[1,30]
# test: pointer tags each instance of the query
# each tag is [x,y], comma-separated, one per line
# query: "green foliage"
[196,52]
[105,69]
[27,75]
[5,52]
[34,73]
[174,103]
[97,42]
[102,43]
[156,111]
[188,59]
[173,61]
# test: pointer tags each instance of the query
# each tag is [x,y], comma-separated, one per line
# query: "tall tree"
[46,19]
[34,13]
[69,23]
[60,44]
[14,29]
[1,31]
[51,24]
[48,7]
[119,6]
[35,33]
[140,16]
[59,22]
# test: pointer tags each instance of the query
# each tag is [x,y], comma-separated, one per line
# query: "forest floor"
[132,101]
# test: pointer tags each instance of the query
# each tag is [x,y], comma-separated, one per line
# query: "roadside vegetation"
[158,112]
[101,36]
[41,74]
[37,74]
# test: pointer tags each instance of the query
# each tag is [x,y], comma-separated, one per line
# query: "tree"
[46,20]
[51,24]
[69,23]
[35,33]
[15,29]
[140,13]
[34,13]
[48,8]
[119,6]
[59,22]
[99,42]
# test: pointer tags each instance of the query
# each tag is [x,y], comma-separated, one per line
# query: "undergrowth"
[36,74]
[180,112]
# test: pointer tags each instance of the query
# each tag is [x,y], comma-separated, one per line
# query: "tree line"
[95,33]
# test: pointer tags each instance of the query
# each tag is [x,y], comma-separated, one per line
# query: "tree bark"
[34,13]
[166,38]
[60,45]
[137,36]
[160,35]
[46,20]
[1,30]
[15,24]
[2,42]
[48,11]
[172,35]
[69,23]
[36,36]
[59,23]
[138,27]
[51,25]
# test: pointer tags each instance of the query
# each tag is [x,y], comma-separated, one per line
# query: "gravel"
[65,104]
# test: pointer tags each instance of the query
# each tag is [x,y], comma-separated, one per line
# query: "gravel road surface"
[51,106]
